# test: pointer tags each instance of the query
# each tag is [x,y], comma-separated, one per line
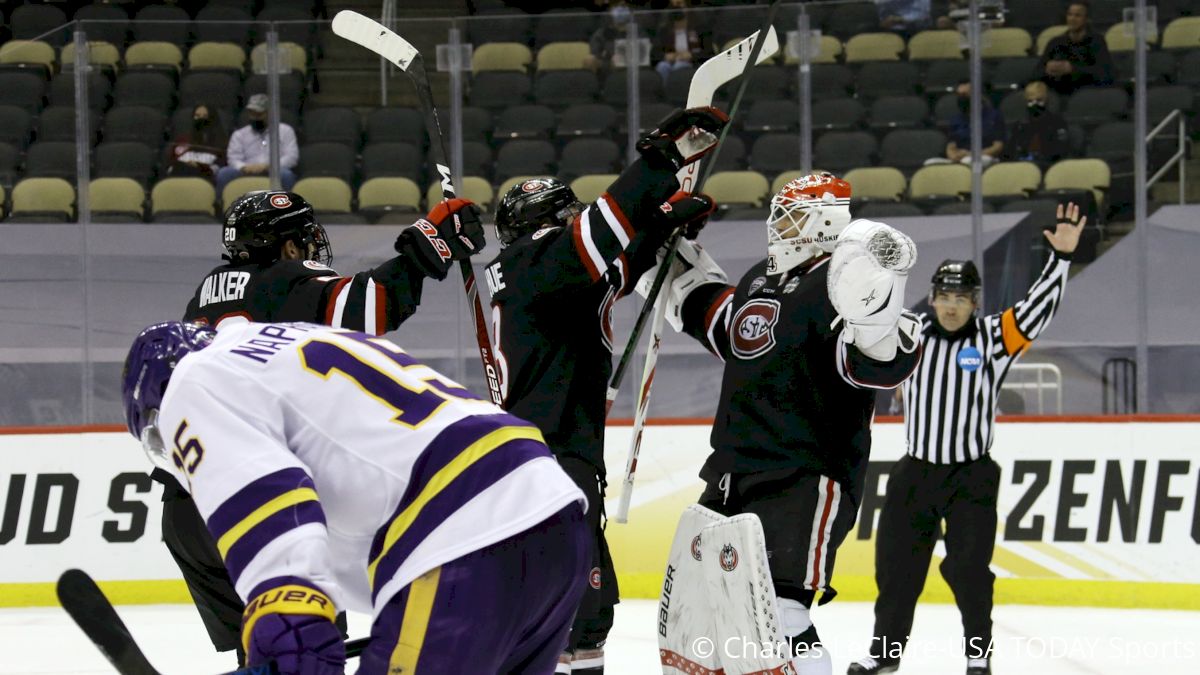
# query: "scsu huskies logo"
[696,547]
[729,558]
[280,201]
[594,578]
[534,185]
[754,328]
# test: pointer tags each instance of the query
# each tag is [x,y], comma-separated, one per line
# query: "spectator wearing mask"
[1077,58]
[603,41]
[959,147]
[1043,137]
[249,152]
[200,149]
[682,40]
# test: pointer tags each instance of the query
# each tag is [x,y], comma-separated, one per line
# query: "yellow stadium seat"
[738,188]
[42,196]
[389,193]
[1080,174]
[1182,33]
[117,196]
[501,56]
[874,47]
[940,180]
[1000,43]
[1047,35]
[1011,178]
[223,55]
[183,195]
[103,54]
[563,56]
[883,182]
[935,44]
[152,53]
[34,52]
[325,193]
[293,57]
[589,188]
[1119,37]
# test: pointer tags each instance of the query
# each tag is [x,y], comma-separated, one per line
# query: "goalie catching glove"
[451,231]
[867,275]
[292,625]
[683,137]
[691,267]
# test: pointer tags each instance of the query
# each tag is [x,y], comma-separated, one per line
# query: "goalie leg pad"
[749,636]
[685,614]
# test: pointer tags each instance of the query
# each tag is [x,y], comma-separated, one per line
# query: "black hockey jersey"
[552,296]
[792,393]
[373,301]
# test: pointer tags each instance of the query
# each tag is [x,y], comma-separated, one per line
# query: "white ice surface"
[1030,640]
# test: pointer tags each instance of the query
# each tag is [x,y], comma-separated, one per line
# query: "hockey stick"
[372,35]
[709,77]
[98,619]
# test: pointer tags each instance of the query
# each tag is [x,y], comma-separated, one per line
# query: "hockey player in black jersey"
[553,285]
[277,269]
[806,336]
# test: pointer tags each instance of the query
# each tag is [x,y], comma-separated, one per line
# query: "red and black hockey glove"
[451,231]
[689,210]
[683,137]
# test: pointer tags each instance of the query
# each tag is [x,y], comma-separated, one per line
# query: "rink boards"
[1099,511]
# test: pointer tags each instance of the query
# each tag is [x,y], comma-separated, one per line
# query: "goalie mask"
[532,204]
[148,368]
[807,216]
[258,223]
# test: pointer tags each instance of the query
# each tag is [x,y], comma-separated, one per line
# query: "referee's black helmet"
[957,276]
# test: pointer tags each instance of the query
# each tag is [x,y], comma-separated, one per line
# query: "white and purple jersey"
[336,457]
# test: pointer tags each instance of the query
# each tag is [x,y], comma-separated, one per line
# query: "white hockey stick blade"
[373,35]
[726,66]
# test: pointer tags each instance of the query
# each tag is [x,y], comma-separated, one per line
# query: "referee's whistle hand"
[1065,236]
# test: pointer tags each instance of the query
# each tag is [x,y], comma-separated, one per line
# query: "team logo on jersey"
[594,578]
[534,185]
[757,284]
[280,201]
[754,328]
[314,265]
[696,548]
[791,285]
[729,558]
[969,359]
[542,232]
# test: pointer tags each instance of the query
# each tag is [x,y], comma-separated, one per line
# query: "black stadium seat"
[393,159]
[126,160]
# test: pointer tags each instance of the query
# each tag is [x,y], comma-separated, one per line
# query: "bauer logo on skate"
[754,327]
[729,558]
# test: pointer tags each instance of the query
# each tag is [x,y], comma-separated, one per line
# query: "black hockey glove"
[451,231]
[689,210]
[683,137]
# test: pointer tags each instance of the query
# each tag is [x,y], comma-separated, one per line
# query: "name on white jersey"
[269,341]
[224,286]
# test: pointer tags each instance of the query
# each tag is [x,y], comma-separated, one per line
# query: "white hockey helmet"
[807,216]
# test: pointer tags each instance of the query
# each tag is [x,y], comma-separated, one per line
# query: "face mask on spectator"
[1036,107]
[258,125]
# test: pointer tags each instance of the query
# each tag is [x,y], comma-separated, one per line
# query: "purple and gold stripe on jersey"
[464,460]
[601,234]
[260,512]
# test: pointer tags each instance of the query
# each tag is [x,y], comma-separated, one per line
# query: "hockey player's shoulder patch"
[314,265]
[545,231]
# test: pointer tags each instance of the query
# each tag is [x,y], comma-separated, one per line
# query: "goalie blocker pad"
[730,623]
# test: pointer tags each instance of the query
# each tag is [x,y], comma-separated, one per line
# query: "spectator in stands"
[959,147]
[681,40]
[249,153]
[1077,58]
[1043,137]
[904,16]
[603,41]
[200,149]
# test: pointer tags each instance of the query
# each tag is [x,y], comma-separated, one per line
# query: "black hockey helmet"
[532,203]
[258,223]
[957,276]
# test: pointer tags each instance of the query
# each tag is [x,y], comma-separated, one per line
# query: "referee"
[949,422]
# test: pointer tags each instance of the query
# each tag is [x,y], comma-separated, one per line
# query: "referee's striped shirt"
[950,402]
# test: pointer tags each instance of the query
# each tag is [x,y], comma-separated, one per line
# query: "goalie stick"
[722,68]
[98,619]
[371,34]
